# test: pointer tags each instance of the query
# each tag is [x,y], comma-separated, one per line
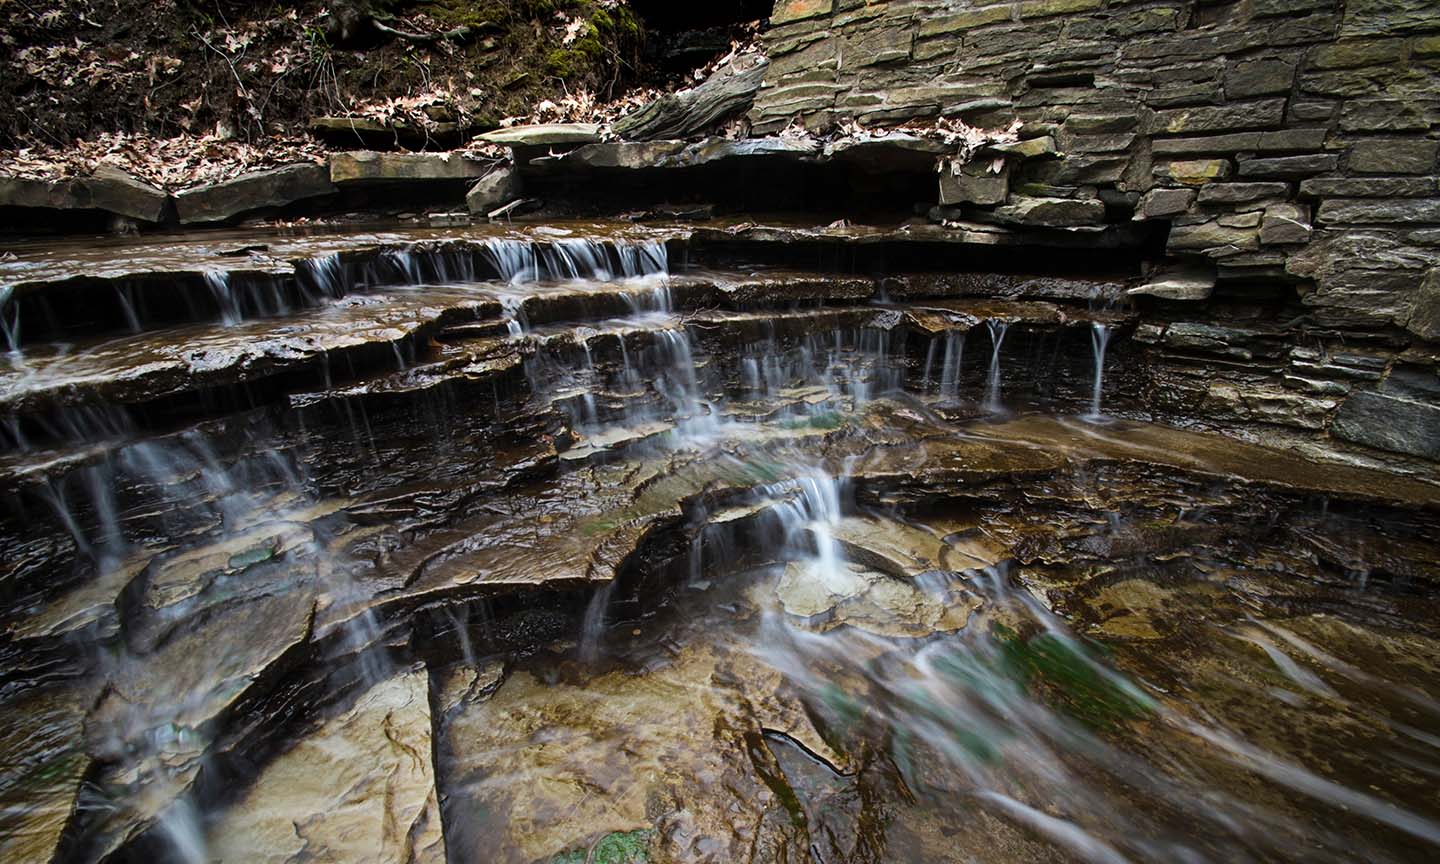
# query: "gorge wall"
[1289,144]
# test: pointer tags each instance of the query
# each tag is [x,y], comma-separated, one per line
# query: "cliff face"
[1287,143]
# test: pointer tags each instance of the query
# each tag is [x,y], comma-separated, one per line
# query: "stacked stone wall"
[1289,141]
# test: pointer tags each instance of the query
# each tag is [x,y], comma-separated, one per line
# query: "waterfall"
[950,368]
[592,626]
[10,319]
[992,392]
[1099,339]
[325,273]
[218,281]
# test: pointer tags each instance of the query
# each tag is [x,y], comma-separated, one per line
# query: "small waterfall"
[10,319]
[950,368]
[181,826]
[460,619]
[679,384]
[128,307]
[1099,339]
[218,281]
[992,392]
[326,274]
[926,381]
[513,260]
[592,626]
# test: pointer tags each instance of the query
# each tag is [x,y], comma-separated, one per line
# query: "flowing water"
[536,547]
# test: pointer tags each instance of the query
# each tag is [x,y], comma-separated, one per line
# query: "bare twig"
[458,34]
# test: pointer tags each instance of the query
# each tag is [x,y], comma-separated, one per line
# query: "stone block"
[1370,187]
[1394,156]
[1360,211]
[975,184]
[1258,114]
[1158,203]
[1047,8]
[260,190]
[1387,422]
[1194,172]
[1190,282]
[1259,77]
[1424,320]
[1051,212]
[1285,224]
[1384,115]
[117,191]
[1027,149]
[1100,124]
[1206,145]
[368,166]
[789,11]
[543,135]
[1241,193]
[1292,139]
[1207,236]
[494,190]
[1289,166]
[1351,53]
[967,20]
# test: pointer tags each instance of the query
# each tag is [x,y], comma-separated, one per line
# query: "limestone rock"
[622,155]
[1051,212]
[1194,282]
[1158,203]
[1195,172]
[109,189]
[1241,193]
[975,184]
[368,166]
[495,189]
[544,135]
[259,190]
[1343,211]
[1212,236]
[1285,223]
[1289,166]
[728,91]
[1394,156]
[117,191]
[359,789]
[1388,422]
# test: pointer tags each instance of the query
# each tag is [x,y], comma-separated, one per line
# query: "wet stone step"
[336,340]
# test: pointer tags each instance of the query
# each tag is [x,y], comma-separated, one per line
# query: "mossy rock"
[618,847]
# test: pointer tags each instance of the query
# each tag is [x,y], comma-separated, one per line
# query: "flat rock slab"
[544,135]
[143,367]
[109,188]
[259,190]
[369,166]
[360,789]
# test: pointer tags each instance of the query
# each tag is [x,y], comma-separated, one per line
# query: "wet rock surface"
[542,545]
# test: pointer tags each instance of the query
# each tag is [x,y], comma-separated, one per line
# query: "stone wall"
[1289,142]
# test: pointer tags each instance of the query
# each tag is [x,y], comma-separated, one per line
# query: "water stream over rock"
[593,543]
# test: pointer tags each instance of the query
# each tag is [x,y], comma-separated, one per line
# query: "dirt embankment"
[75,69]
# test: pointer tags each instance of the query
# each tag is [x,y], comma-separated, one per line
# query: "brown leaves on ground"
[170,163]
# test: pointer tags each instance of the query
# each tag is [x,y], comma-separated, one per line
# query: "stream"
[590,543]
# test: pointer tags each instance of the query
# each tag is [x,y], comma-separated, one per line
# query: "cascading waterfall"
[950,368]
[9,320]
[218,282]
[1099,339]
[992,391]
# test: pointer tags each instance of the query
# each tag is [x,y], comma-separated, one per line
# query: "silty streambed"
[547,548]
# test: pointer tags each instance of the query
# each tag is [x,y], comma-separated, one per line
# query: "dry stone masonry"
[1286,143]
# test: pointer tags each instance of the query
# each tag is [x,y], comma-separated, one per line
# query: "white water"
[992,391]
[1099,339]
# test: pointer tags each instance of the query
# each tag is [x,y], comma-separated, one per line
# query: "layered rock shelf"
[997,432]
